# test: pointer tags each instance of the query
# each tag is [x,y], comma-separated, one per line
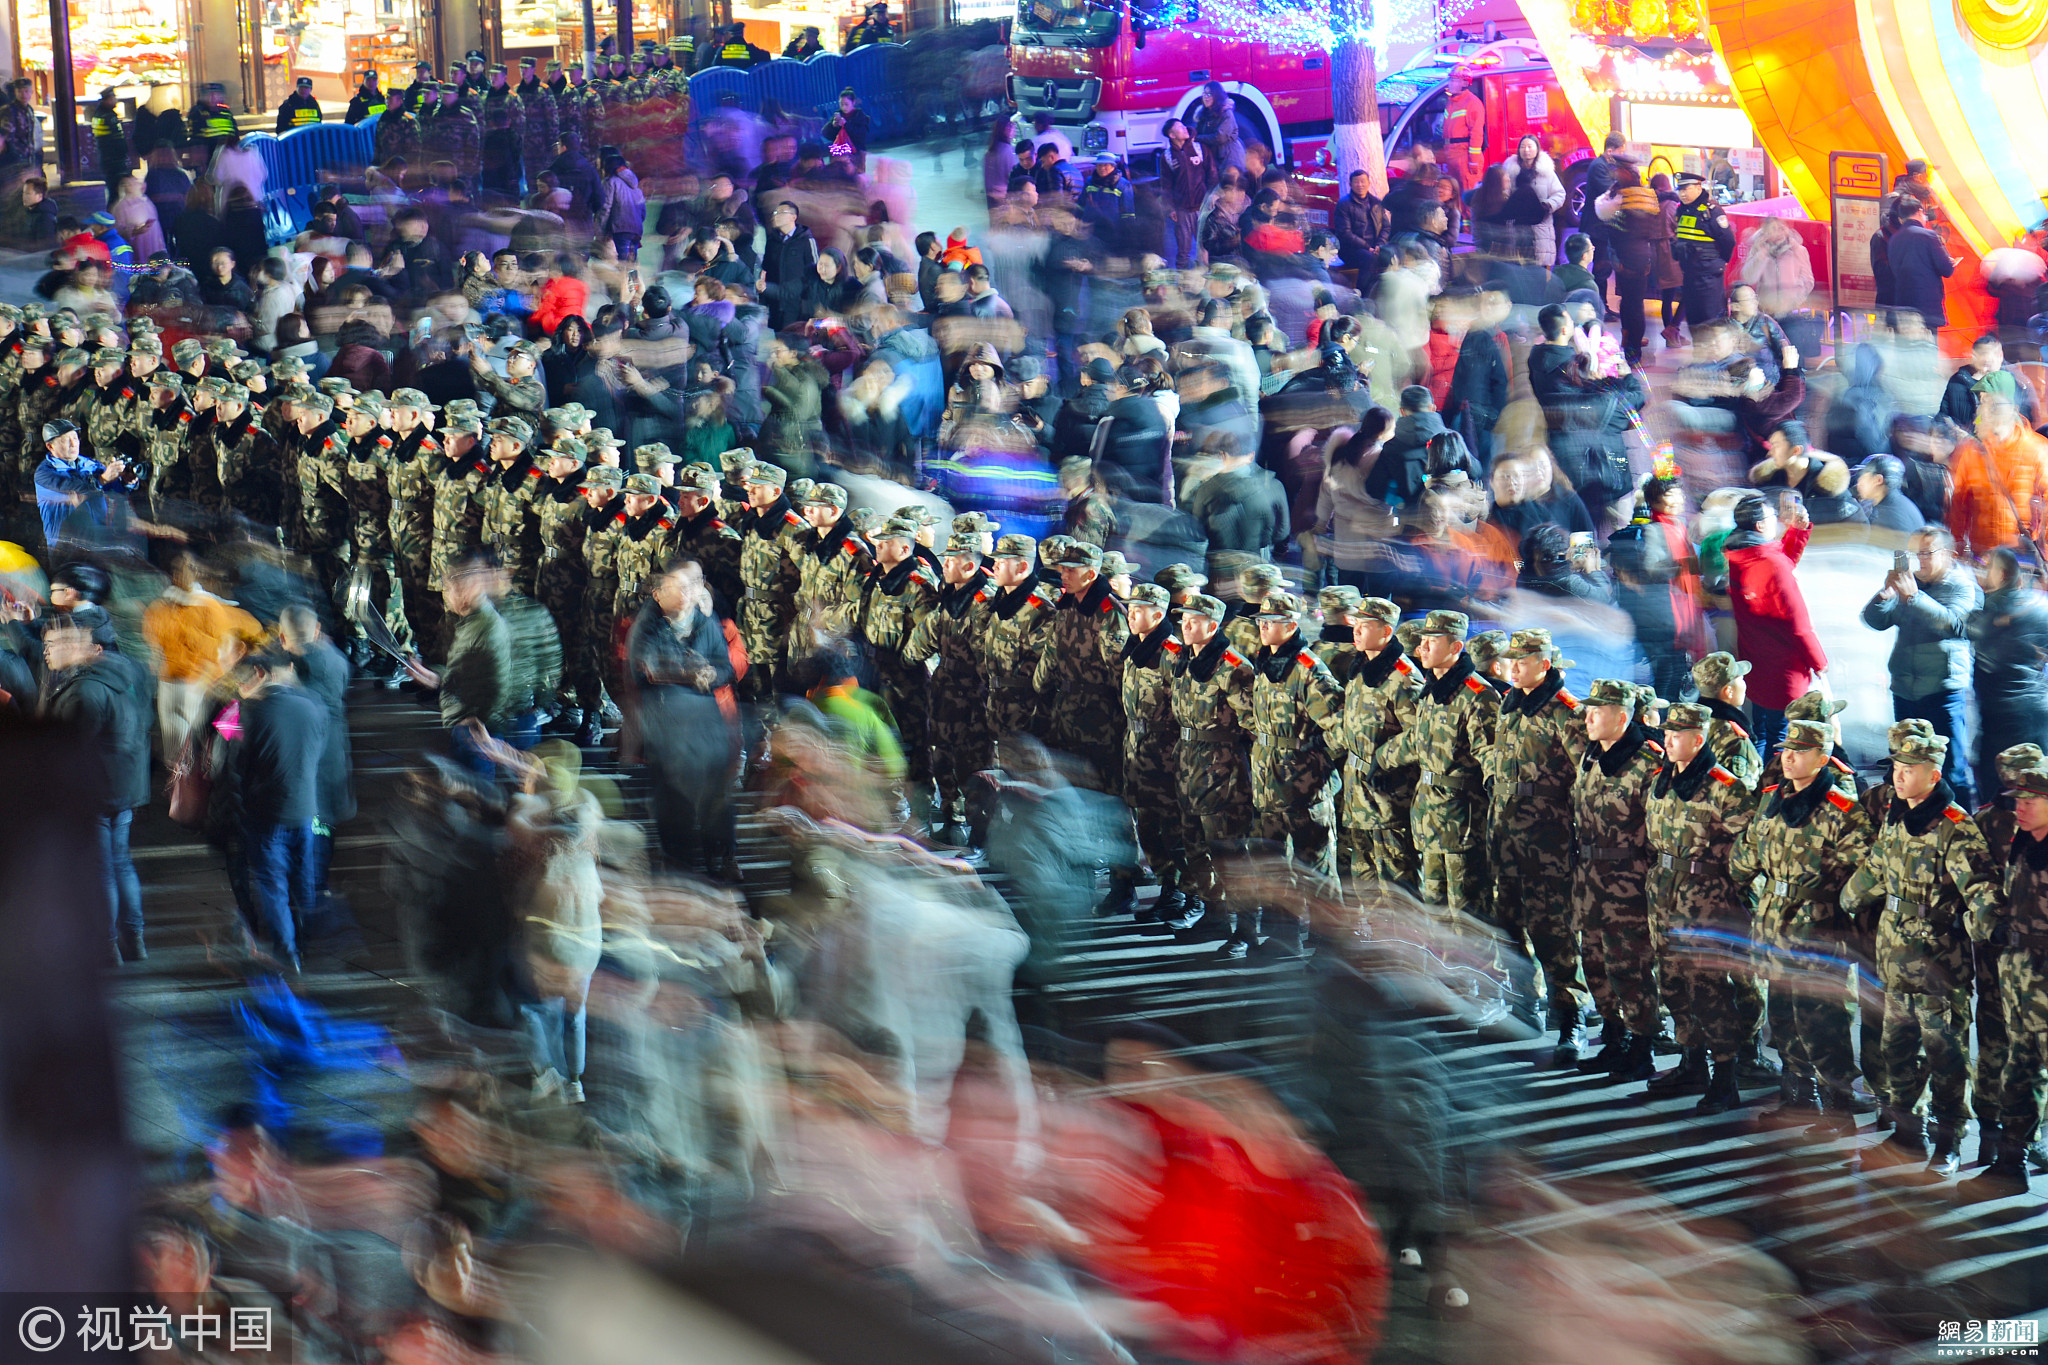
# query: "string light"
[1380,25]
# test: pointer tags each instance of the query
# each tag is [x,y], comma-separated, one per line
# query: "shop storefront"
[128,44]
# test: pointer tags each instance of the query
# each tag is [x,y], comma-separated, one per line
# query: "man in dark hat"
[368,101]
[210,123]
[1703,242]
[110,141]
[299,108]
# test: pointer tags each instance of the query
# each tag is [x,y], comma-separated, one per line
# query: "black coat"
[1403,464]
[109,701]
[2010,636]
[323,671]
[789,264]
[284,740]
[1241,509]
[1920,263]
[683,732]
[1134,449]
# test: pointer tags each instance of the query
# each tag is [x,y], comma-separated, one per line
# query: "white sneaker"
[573,1094]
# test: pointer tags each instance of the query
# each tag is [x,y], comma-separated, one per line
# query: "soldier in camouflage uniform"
[640,544]
[1611,860]
[456,474]
[1488,651]
[1539,739]
[1799,850]
[1212,699]
[1152,749]
[98,409]
[561,576]
[366,479]
[1928,867]
[772,538]
[1294,700]
[947,642]
[1997,821]
[509,501]
[518,392]
[830,572]
[2016,925]
[1720,678]
[323,493]
[162,438]
[1254,581]
[455,136]
[1078,673]
[1447,743]
[246,458]
[542,124]
[605,492]
[1013,639]
[33,404]
[901,590]
[1381,688]
[411,475]
[1696,811]
[701,532]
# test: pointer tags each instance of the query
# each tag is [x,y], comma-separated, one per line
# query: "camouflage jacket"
[369,495]
[1796,856]
[162,434]
[640,547]
[1337,651]
[1293,701]
[1928,868]
[1380,696]
[100,413]
[771,544]
[2024,905]
[601,541]
[541,128]
[526,397]
[830,573]
[1537,744]
[323,494]
[1693,818]
[951,633]
[246,460]
[1211,694]
[1610,808]
[1014,635]
[1998,823]
[561,509]
[536,654]
[411,475]
[1151,735]
[1082,660]
[42,398]
[511,521]
[894,602]
[1839,772]
[1728,740]
[1447,743]
[458,518]
[715,546]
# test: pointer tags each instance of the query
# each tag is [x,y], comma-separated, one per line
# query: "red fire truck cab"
[1111,72]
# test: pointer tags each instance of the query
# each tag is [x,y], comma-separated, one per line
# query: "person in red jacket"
[1772,629]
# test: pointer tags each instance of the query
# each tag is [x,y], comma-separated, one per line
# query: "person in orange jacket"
[2000,480]
[957,253]
[1464,133]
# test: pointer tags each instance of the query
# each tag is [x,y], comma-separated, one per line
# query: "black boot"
[1905,1149]
[1946,1142]
[589,734]
[1638,1060]
[1613,1043]
[1192,909]
[1123,893]
[1752,1067]
[2005,1177]
[1286,939]
[1689,1077]
[1837,1114]
[1216,922]
[1798,1103]
[1244,935]
[1723,1092]
[2037,1155]
[1565,1056]
[1165,906]
[1988,1142]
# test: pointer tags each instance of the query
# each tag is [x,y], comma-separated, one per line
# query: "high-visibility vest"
[106,125]
[733,52]
[217,123]
[1689,224]
[305,114]
[371,109]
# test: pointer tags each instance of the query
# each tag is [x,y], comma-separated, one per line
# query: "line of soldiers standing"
[501,135]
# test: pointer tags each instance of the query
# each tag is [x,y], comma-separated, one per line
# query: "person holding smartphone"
[1929,600]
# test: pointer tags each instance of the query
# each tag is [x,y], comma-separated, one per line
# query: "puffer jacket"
[1549,190]
[1932,652]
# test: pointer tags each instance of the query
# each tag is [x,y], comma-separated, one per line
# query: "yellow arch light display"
[1962,84]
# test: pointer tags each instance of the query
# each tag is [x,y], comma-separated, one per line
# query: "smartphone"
[1900,563]
[1581,540]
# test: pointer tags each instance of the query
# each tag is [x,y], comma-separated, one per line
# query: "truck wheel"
[1251,129]
[1567,218]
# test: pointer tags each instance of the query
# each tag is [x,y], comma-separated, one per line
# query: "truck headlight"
[1095,137]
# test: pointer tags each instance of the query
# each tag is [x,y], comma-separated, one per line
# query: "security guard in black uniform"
[368,101]
[737,51]
[875,28]
[210,124]
[805,44]
[110,141]
[1703,242]
[300,109]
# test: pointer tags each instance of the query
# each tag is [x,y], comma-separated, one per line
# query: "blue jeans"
[1946,712]
[124,888]
[1770,729]
[280,859]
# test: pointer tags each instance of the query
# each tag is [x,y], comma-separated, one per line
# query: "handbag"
[191,787]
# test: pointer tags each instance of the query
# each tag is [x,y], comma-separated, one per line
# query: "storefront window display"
[129,44]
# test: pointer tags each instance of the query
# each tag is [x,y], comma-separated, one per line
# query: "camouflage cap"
[652,456]
[1149,595]
[1409,633]
[605,476]
[800,489]
[597,438]
[1077,554]
[1202,604]
[1452,623]
[1337,600]
[696,478]
[525,348]
[10,312]
[334,386]
[246,370]
[1808,734]
[464,423]
[220,348]
[1814,706]
[107,355]
[512,429]
[1179,578]
[1484,647]
[1014,546]
[213,385]
[1687,715]
[1113,563]
[292,368]
[297,393]
[1377,609]
[919,513]
[167,379]
[1282,606]
[1929,749]
[864,519]
[964,545]
[733,463]
[235,393]
[1717,670]
[646,485]
[2030,780]
[1256,580]
[1531,643]
[826,495]
[33,312]
[1611,692]
[409,398]
[569,448]
[143,326]
[314,402]
[897,528]
[74,355]
[456,407]
[975,523]
[188,350]
[1901,730]
[761,472]
[2017,757]
[1051,547]
[146,345]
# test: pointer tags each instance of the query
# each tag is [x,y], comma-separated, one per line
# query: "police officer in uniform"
[299,109]
[1703,242]
[210,122]
[368,100]
[110,141]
